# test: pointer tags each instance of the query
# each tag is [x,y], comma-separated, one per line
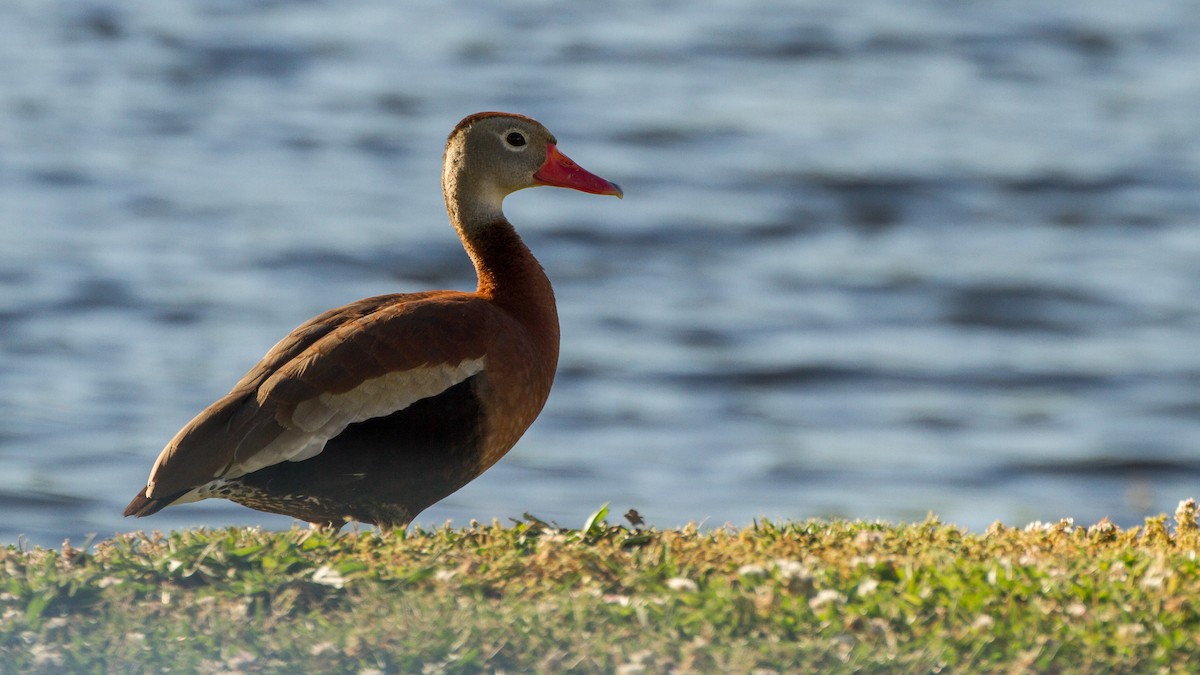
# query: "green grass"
[774,597]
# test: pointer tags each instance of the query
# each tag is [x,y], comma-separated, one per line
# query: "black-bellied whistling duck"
[376,410]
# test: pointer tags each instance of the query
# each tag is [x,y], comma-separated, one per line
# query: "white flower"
[867,586]
[791,569]
[327,576]
[751,570]
[682,584]
[826,597]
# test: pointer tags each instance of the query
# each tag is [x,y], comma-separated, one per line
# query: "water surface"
[874,260]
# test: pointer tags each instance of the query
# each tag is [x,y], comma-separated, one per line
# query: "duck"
[374,411]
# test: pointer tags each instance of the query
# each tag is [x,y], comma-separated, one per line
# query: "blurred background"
[875,260]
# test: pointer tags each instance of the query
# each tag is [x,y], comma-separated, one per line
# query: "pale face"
[506,151]
[492,155]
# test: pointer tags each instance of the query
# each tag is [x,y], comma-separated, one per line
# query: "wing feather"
[368,359]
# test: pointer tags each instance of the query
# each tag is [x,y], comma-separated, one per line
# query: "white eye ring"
[515,140]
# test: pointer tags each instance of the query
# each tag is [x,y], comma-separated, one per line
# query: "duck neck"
[508,273]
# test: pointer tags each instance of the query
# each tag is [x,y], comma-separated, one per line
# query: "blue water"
[875,259]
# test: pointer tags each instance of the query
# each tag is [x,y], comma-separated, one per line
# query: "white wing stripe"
[317,420]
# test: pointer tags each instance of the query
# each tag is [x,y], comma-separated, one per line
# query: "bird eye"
[515,139]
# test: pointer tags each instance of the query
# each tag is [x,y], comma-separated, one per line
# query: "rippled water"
[876,259]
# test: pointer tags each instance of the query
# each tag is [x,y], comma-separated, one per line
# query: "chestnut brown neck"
[508,272]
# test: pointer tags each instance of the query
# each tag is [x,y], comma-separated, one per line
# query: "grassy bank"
[795,597]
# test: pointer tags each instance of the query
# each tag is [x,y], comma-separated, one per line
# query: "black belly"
[382,471]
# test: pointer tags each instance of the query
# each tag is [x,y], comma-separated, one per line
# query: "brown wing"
[366,359]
